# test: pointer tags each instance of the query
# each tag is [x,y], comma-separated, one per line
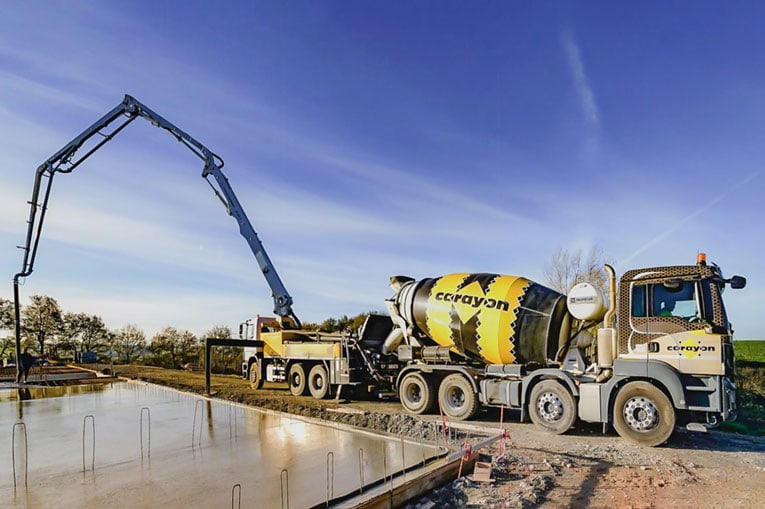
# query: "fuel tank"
[490,318]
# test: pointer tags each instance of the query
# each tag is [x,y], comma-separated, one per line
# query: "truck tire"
[256,381]
[296,379]
[552,407]
[643,414]
[318,381]
[417,394]
[457,398]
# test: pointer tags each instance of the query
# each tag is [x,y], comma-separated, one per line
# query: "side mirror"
[737,282]
[241,331]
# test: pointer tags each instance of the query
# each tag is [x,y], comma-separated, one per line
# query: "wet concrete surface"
[183,450]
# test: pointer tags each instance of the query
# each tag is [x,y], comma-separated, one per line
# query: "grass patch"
[736,427]
[750,351]
[750,384]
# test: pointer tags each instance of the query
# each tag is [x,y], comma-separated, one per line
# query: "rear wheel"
[318,381]
[256,381]
[552,407]
[457,398]
[417,394]
[643,414]
[296,379]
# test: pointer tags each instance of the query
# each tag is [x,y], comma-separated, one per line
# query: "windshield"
[681,301]
[691,300]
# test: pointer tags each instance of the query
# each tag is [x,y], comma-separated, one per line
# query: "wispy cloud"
[14,86]
[687,219]
[579,77]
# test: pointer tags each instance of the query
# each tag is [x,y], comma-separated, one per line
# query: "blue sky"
[367,139]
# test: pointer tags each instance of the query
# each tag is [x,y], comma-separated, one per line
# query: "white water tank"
[586,302]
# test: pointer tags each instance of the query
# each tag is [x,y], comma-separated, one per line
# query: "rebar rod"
[22,426]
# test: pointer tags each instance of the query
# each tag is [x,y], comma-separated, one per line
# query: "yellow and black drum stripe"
[490,318]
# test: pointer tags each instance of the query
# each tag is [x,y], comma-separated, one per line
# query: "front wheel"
[552,407]
[256,381]
[296,378]
[457,398]
[643,414]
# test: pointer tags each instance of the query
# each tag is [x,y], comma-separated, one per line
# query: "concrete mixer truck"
[657,353]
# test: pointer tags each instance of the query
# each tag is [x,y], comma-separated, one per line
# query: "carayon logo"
[690,348]
[470,300]
[473,300]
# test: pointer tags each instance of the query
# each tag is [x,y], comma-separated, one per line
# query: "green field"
[750,383]
[750,351]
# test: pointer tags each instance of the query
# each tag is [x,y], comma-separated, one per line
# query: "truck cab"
[675,317]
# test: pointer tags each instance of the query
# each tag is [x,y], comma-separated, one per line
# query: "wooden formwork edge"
[401,494]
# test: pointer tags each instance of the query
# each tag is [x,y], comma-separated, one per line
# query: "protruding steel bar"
[361,469]
[284,478]
[236,495]
[92,420]
[330,476]
[148,423]
[23,427]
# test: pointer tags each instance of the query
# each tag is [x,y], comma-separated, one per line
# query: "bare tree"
[566,269]
[188,345]
[7,323]
[129,343]
[173,348]
[6,314]
[87,331]
[224,359]
[219,332]
[42,320]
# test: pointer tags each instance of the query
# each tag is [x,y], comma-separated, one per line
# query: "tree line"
[50,332]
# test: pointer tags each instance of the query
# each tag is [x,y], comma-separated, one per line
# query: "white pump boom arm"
[67,159]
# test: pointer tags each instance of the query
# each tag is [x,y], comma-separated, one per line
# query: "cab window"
[680,301]
[662,301]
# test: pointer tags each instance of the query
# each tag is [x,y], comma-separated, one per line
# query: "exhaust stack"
[607,349]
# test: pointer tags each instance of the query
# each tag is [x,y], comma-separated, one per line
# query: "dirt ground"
[583,468]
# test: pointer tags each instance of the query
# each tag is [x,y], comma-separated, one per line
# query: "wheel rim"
[296,380]
[413,393]
[641,414]
[455,397]
[318,382]
[550,407]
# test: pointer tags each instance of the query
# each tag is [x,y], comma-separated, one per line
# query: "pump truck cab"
[658,353]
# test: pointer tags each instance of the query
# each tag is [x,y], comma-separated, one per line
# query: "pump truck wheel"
[552,407]
[297,379]
[457,398]
[256,381]
[417,393]
[643,414]
[318,381]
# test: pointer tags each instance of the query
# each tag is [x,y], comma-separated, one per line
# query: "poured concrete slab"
[188,450]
